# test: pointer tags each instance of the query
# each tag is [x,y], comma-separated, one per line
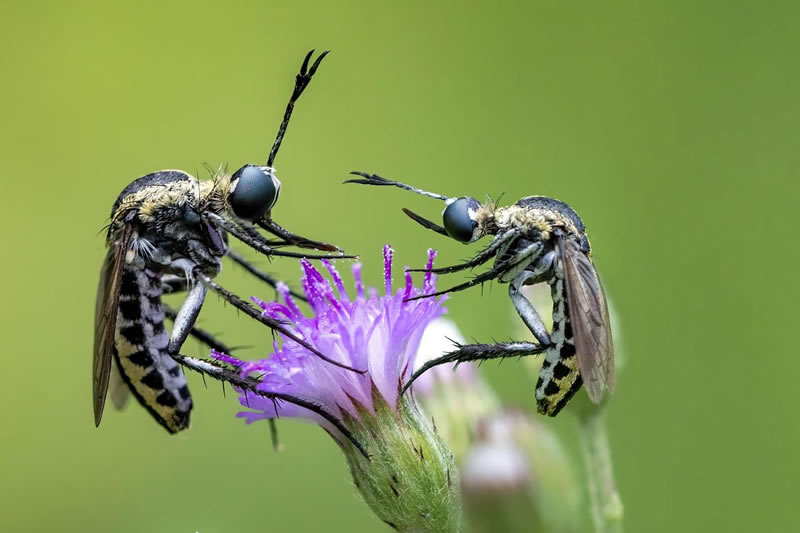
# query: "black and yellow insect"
[538,239]
[169,233]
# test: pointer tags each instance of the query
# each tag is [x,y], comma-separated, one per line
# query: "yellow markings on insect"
[524,218]
[565,384]
[148,199]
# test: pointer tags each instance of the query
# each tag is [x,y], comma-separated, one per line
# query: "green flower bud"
[410,480]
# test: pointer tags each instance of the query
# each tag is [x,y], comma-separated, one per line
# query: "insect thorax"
[538,217]
[164,212]
[155,198]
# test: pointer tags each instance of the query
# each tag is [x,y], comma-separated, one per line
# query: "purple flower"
[398,461]
[379,333]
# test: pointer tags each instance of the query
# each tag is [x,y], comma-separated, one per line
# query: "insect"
[538,239]
[169,233]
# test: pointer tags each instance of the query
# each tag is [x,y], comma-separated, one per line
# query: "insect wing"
[588,312]
[105,320]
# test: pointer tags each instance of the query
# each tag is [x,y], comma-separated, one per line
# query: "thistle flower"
[408,478]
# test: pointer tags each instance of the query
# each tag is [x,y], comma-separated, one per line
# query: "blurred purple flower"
[377,333]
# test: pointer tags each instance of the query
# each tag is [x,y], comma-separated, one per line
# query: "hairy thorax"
[532,221]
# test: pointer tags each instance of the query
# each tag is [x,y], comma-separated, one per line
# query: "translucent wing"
[105,320]
[588,313]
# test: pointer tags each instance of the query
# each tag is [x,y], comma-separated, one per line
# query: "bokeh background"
[670,126]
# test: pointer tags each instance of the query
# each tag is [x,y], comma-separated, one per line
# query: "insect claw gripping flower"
[408,478]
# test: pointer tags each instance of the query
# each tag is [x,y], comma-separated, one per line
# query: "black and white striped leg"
[504,239]
[186,317]
[479,352]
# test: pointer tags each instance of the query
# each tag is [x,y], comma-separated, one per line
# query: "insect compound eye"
[457,221]
[256,190]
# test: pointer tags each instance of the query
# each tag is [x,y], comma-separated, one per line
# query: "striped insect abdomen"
[559,378]
[140,349]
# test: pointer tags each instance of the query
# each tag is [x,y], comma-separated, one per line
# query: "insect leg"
[478,352]
[482,257]
[200,334]
[250,384]
[171,284]
[521,259]
[261,245]
[268,321]
[184,321]
[266,278]
[527,312]
[295,240]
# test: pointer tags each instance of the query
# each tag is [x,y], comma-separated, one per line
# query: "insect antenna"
[374,179]
[301,82]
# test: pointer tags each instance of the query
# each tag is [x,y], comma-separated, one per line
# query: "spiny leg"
[478,352]
[172,284]
[527,254]
[270,322]
[250,384]
[483,256]
[266,278]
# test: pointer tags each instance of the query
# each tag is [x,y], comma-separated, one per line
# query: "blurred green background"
[670,126]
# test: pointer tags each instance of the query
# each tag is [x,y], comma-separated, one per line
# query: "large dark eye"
[457,222]
[256,191]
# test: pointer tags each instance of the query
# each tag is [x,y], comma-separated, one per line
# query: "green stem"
[605,502]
